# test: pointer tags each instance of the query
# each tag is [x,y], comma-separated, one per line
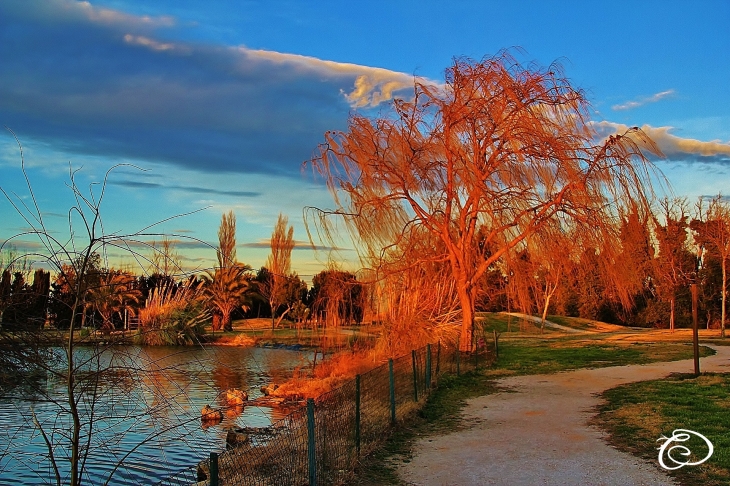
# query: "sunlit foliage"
[501,149]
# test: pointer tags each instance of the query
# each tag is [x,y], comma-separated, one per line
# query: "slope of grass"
[638,414]
[523,357]
[491,321]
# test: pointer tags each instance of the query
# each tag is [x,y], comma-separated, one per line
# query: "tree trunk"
[281,317]
[671,314]
[544,312]
[466,339]
[273,312]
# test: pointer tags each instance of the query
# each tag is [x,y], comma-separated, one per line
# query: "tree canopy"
[484,162]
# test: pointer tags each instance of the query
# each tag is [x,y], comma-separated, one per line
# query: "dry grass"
[242,340]
[328,375]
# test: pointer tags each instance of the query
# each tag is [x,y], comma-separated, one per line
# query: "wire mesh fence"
[322,442]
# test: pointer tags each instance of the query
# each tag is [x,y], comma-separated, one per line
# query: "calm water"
[148,409]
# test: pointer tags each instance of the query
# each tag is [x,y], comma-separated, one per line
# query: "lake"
[145,411]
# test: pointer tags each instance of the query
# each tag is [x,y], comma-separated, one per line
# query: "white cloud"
[371,85]
[109,16]
[674,147]
[147,42]
[629,105]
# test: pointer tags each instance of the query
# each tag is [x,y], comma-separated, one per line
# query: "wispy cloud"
[674,147]
[196,190]
[99,82]
[298,245]
[630,105]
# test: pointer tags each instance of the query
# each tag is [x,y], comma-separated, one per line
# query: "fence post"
[415,376]
[392,391]
[311,443]
[213,469]
[458,361]
[357,414]
[428,367]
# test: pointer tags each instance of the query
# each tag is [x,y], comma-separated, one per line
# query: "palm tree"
[114,294]
[225,288]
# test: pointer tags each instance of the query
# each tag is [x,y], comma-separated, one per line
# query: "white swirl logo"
[681,435]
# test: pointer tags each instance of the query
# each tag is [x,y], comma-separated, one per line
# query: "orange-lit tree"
[499,146]
[274,287]
[227,285]
[712,233]
[675,264]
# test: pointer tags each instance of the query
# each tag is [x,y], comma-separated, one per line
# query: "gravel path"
[537,433]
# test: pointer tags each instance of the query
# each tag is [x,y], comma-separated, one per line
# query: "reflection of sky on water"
[149,404]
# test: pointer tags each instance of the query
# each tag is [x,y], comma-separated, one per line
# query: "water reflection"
[146,404]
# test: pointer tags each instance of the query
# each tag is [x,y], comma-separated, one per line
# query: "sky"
[206,107]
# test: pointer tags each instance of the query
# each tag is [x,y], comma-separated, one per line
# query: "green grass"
[523,357]
[637,414]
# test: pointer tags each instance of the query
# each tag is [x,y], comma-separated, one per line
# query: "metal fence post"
[311,443]
[213,469]
[415,376]
[392,390]
[357,414]
[428,367]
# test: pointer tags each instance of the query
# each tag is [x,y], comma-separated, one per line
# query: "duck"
[234,396]
[268,389]
[209,414]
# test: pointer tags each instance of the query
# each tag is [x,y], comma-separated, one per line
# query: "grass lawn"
[525,357]
[637,414]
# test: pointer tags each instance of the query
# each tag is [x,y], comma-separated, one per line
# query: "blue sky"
[221,102]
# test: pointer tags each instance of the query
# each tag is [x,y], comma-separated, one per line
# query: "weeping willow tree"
[482,163]
[413,294]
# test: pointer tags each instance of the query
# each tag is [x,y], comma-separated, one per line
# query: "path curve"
[538,433]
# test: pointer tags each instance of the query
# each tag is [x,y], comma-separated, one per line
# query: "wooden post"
[357,414]
[392,391]
[428,367]
[695,332]
[415,376]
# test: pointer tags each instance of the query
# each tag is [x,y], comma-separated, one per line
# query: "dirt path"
[538,433]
